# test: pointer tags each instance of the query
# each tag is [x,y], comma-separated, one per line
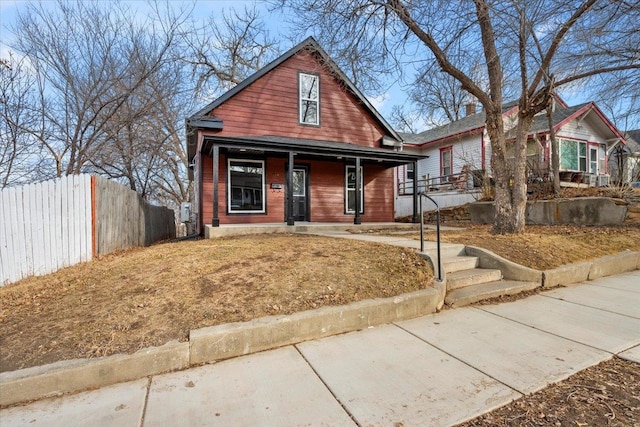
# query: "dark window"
[245,186]
[410,172]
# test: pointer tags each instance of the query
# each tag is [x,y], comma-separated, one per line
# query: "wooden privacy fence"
[56,224]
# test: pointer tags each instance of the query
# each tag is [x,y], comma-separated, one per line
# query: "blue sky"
[202,9]
[393,94]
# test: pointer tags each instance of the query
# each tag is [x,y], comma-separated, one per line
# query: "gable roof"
[467,125]
[310,44]
[476,123]
[464,126]
[562,116]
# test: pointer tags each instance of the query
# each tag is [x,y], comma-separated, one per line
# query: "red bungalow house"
[299,110]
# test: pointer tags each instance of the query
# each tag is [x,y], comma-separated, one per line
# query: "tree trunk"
[555,154]
[58,158]
[510,184]
[501,175]
[519,189]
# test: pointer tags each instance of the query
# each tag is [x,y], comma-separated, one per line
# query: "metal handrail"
[423,194]
[456,181]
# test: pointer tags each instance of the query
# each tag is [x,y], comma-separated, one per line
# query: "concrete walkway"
[435,370]
[397,238]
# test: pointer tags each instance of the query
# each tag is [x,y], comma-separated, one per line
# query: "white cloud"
[379,101]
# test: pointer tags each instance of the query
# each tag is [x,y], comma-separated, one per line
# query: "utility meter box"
[185,212]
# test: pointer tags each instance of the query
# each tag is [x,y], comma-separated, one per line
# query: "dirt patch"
[146,297]
[604,395]
[545,247]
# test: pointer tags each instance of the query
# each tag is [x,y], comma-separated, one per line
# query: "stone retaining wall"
[578,211]
[457,213]
[633,214]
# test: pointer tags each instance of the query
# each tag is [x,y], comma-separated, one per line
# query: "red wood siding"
[378,194]
[326,192]
[269,106]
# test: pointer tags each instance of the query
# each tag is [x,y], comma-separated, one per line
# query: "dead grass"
[146,297]
[545,247]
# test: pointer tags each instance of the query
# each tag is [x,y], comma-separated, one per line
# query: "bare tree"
[110,91]
[227,49]
[19,153]
[542,45]
[90,63]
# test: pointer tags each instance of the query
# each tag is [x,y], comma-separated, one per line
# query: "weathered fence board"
[56,224]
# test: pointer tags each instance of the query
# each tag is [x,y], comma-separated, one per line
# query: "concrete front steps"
[467,283]
[482,291]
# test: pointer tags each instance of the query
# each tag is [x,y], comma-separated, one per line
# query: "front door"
[300,193]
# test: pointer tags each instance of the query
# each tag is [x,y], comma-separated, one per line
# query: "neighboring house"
[624,161]
[460,152]
[290,143]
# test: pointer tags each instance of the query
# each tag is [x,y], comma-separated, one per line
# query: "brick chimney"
[470,109]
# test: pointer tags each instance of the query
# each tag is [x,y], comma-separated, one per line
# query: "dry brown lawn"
[147,297]
[546,247]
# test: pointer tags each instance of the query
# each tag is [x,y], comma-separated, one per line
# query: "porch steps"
[471,294]
[447,251]
[468,284]
[472,277]
[459,263]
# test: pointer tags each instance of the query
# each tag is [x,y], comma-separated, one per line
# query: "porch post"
[416,215]
[289,187]
[357,219]
[215,221]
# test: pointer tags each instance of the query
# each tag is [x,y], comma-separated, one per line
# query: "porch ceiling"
[309,148]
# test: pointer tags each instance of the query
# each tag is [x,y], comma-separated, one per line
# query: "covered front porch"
[330,182]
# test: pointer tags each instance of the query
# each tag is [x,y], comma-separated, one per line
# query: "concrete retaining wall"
[510,270]
[214,343]
[591,270]
[580,211]
[77,375]
[566,275]
[237,339]
[614,264]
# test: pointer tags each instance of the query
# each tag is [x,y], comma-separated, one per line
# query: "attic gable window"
[309,106]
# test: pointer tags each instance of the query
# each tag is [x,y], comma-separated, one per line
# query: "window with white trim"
[602,158]
[350,190]
[593,159]
[411,173]
[446,163]
[573,155]
[245,186]
[309,86]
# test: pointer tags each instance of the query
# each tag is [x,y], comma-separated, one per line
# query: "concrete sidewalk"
[435,370]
